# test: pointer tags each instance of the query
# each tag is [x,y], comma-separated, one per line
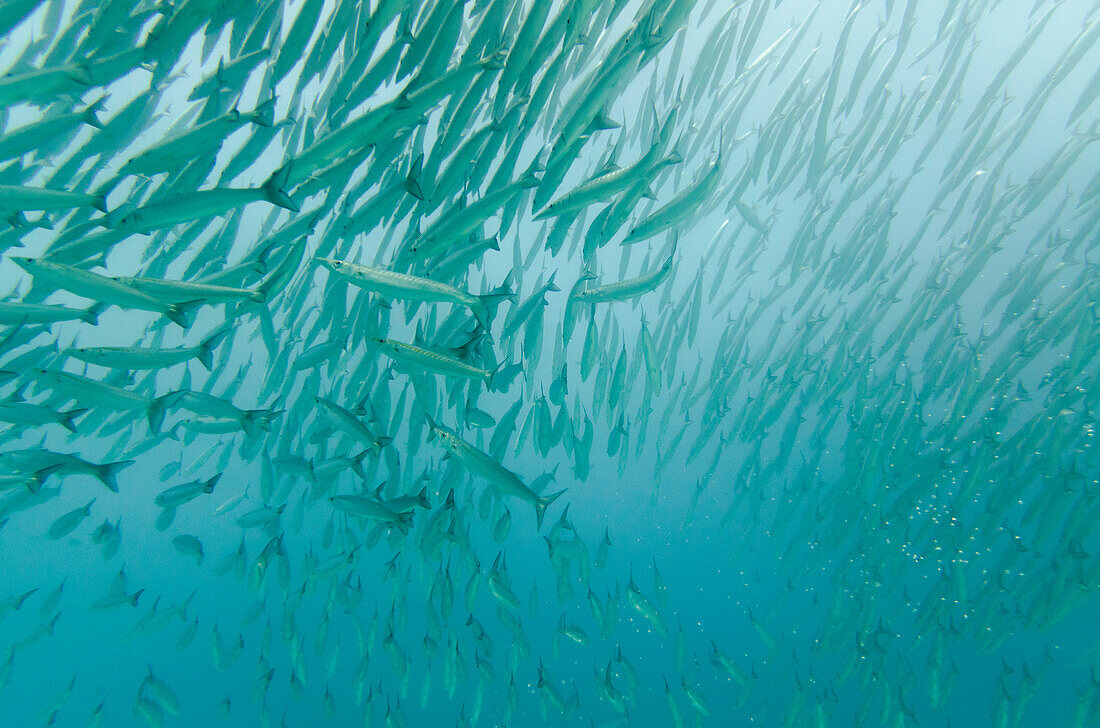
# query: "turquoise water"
[581,363]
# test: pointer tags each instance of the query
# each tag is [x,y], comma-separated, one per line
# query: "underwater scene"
[549,363]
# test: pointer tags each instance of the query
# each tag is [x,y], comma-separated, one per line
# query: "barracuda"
[416,358]
[198,205]
[14,313]
[630,288]
[136,357]
[680,207]
[100,288]
[15,198]
[350,425]
[392,284]
[484,466]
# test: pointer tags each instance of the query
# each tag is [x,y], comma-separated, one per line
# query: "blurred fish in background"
[577,362]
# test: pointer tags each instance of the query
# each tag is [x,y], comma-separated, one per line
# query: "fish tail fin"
[176,316]
[262,291]
[531,177]
[543,503]
[357,462]
[206,348]
[90,315]
[495,60]
[137,595]
[262,418]
[89,114]
[208,486]
[264,114]
[155,411]
[52,623]
[491,383]
[249,424]
[480,311]
[183,314]
[404,521]
[488,303]
[412,180]
[38,477]
[280,199]
[68,417]
[81,74]
[274,191]
[99,202]
[603,121]
[108,473]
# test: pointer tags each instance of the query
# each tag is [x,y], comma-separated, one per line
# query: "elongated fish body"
[14,313]
[679,208]
[602,186]
[27,414]
[483,465]
[646,609]
[43,84]
[630,288]
[372,510]
[138,357]
[17,481]
[349,424]
[176,150]
[406,503]
[392,284]
[97,287]
[133,357]
[211,425]
[67,523]
[84,248]
[378,124]
[458,222]
[416,358]
[460,256]
[351,137]
[198,205]
[179,495]
[229,75]
[15,198]
[27,138]
[38,460]
[187,291]
[93,392]
[114,600]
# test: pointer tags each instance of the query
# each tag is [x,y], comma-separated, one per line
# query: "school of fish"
[752,347]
